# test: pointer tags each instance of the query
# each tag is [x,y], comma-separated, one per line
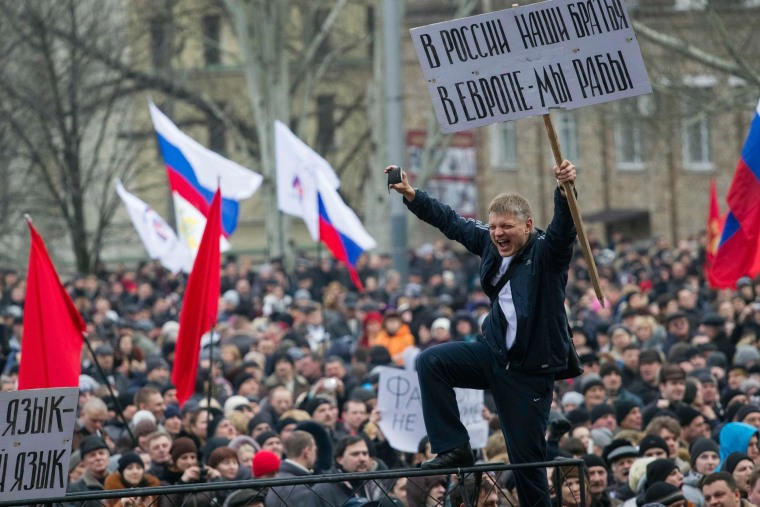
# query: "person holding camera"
[186,469]
[526,335]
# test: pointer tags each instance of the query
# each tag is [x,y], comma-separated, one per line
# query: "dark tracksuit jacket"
[521,379]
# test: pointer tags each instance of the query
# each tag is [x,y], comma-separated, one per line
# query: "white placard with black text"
[36,426]
[400,405]
[520,62]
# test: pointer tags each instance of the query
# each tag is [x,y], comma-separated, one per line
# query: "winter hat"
[732,460]
[234,402]
[578,417]
[142,415]
[171,411]
[746,410]
[701,445]
[220,454]
[181,446]
[592,460]
[127,459]
[441,322]
[256,420]
[659,470]
[623,408]
[651,442]
[313,404]
[263,437]
[637,475]
[601,437]
[717,358]
[265,462]
[245,497]
[619,448]
[91,443]
[591,381]
[241,440]
[572,398]
[746,354]
[663,493]
[686,414]
[600,411]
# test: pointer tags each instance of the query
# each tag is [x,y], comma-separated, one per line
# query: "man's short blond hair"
[511,203]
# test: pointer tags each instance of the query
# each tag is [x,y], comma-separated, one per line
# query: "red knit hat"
[265,462]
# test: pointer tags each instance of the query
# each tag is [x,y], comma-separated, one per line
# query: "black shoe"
[455,458]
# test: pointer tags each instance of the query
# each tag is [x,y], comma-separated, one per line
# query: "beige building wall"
[665,195]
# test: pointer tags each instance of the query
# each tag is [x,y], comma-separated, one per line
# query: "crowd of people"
[666,412]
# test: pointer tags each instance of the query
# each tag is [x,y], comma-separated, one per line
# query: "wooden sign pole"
[574,211]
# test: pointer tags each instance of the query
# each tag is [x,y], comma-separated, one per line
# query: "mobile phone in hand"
[394,175]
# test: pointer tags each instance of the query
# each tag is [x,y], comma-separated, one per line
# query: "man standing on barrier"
[526,337]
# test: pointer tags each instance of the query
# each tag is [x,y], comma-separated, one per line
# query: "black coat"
[538,283]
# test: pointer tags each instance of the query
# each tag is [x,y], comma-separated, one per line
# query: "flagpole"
[119,409]
[210,377]
[575,212]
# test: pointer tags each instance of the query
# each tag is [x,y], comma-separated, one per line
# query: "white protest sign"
[400,405]
[36,427]
[521,62]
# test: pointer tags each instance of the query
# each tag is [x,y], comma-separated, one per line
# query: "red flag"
[51,346]
[714,226]
[200,304]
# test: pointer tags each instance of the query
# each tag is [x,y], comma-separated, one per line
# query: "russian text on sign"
[36,426]
[523,61]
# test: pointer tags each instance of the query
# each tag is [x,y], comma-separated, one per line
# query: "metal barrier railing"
[163,495]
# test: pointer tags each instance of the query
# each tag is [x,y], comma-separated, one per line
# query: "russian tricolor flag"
[738,248]
[194,173]
[341,231]
[307,187]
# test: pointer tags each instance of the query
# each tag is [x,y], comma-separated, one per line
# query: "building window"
[159,43]
[628,134]
[697,145]
[503,145]
[567,133]
[325,123]
[211,25]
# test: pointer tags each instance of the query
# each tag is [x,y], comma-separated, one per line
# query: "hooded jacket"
[538,283]
[734,437]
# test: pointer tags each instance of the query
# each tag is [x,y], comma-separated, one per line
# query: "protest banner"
[400,405]
[520,62]
[36,426]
